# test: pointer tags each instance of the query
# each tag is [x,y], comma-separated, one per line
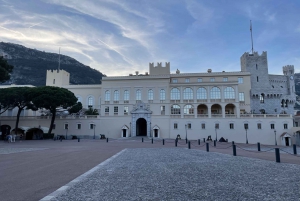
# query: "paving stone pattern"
[183,174]
[18,150]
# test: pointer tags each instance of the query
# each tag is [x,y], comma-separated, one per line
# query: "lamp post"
[275,137]
[130,129]
[246,136]
[67,132]
[94,131]
[150,128]
[185,133]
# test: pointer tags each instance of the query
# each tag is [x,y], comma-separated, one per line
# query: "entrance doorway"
[287,141]
[124,133]
[155,132]
[34,134]
[141,127]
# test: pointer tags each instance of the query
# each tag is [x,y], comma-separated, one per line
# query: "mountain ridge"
[31,65]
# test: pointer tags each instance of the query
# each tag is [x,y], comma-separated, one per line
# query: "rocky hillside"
[30,66]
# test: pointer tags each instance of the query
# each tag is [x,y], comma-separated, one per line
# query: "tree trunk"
[52,121]
[18,118]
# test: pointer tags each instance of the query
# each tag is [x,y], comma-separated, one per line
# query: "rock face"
[30,66]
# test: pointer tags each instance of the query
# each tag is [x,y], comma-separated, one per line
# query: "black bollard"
[203,139]
[189,144]
[198,141]
[234,149]
[106,139]
[152,140]
[163,141]
[176,143]
[258,146]
[207,147]
[214,143]
[142,139]
[78,139]
[277,155]
[232,142]
[295,149]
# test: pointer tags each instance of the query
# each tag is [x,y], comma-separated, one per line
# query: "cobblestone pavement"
[183,174]
[18,150]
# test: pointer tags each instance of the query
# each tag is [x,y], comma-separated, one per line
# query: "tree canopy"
[75,108]
[16,97]
[51,98]
[5,70]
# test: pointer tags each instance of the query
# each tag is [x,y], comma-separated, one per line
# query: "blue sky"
[119,37]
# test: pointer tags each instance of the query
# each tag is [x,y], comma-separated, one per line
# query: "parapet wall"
[159,69]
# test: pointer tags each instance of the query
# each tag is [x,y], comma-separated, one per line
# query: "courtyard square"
[31,170]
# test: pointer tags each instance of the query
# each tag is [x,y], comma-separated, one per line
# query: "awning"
[285,134]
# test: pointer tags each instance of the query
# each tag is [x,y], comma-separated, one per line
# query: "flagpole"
[251,35]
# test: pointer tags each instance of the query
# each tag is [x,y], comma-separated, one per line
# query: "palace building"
[249,104]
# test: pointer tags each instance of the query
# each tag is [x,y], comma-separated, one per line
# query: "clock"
[291,77]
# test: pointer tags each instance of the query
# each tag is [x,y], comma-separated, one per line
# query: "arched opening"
[34,134]
[202,109]
[141,127]
[230,109]
[5,130]
[216,109]
[123,132]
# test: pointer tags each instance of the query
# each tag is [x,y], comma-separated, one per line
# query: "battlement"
[159,69]
[255,54]
[57,78]
[288,70]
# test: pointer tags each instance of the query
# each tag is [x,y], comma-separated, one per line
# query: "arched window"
[150,94]
[116,95]
[188,94]
[215,93]
[175,109]
[262,98]
[107,95]
[78,99]
[138,95]
[126,95]
[282,102]
[90,101]
[201,93]
[188,109]
[162,94]
[229,93]
[175,94]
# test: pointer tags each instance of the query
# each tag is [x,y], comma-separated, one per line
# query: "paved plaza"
[33,170]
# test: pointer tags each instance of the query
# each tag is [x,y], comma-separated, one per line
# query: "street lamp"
[130,129]
[67,132]
[94,131]
[246,128]
[275,137]
[185,133]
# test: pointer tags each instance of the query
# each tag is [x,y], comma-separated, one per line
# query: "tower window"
[257,78]
[262,98]
[256,67]
[53,81]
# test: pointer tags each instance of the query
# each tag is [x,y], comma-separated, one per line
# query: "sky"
[119,37]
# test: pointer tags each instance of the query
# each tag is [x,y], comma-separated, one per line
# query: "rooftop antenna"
[251,35]
[59,59]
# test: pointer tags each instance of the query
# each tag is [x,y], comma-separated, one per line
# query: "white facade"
[164,105]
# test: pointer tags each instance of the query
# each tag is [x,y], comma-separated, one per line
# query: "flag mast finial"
[251,35]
